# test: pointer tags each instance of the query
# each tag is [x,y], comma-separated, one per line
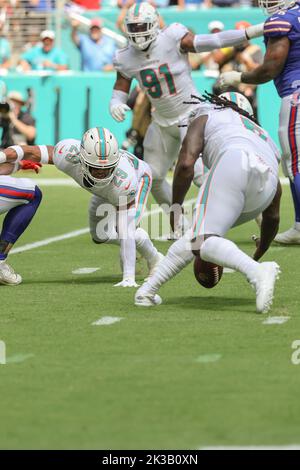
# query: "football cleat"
[147,300]
[290,237]
[127,283]
[264,282]
[8,277]
[154,263]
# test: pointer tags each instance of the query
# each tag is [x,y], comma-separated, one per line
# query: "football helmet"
[99,149]
[239,99]
[141,25]
[272,6]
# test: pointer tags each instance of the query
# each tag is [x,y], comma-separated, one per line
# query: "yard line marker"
[206,358]
[17,358]
[48,241]
[85,270]
[73,234]
[56,182]
[107,321]
[275,320]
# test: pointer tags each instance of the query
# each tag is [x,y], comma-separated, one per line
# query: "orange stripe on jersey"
[277,29]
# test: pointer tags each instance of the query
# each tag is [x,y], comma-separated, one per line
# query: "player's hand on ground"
[28,165]
[118,111]
[229,78]
[127,283]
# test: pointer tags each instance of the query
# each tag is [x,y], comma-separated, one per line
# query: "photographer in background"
[18,126]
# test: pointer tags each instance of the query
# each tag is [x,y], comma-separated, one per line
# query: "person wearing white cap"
[18,125]
[44,56]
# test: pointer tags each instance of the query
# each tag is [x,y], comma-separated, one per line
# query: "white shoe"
[264,283]
[153,264]
[290,237]
[8,276]
[147,300]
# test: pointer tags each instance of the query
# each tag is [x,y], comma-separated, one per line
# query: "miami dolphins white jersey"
[163,72]
[127,175]
[226,129]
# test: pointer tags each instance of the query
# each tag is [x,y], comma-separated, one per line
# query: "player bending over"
[241,183]
[158,60]
[19,199]
[282,64]
[119,184]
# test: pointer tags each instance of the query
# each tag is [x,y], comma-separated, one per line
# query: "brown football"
[207,274]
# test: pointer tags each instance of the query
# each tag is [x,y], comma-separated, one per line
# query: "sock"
[17,220]
[225,253]
[296,200]
[177,258]
[144,245]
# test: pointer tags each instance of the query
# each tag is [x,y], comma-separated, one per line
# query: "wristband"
[19,151]
[3,157]
[44,154]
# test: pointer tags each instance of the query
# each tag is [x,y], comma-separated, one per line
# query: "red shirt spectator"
[89,4]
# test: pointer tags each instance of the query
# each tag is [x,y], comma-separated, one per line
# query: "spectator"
[40,5]
[4,50]
[97,51]
[18,125]
[44,56]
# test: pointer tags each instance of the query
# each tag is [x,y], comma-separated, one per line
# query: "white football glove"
[230,78]
[127,283]
[118,111]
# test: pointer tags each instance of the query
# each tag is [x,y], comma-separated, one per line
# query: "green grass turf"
[137,383]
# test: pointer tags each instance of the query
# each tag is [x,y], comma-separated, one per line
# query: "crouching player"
[19,199]
[119,184]
[242,182]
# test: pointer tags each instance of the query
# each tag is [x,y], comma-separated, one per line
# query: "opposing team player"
[281,64]
[241,183]
[119,184]
[19,199]
[158,60]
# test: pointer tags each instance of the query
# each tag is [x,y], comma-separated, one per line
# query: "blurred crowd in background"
[29,44]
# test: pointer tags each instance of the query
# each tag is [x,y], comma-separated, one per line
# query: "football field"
[201,370]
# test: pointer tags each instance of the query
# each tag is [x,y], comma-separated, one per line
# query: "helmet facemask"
[142,34]
[96,181]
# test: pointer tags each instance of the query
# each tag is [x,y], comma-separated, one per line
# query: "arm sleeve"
[209,42]
[126,232]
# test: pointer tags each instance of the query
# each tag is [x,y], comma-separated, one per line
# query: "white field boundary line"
[71,183]
[73,234]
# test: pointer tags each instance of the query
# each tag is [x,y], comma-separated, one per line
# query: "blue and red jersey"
[287,23]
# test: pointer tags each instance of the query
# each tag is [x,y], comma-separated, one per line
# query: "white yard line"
[73,234]
[103,321]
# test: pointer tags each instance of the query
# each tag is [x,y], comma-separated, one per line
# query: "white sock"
[177,258]
[144,245]
[162,192]
[225,253]
[297,226]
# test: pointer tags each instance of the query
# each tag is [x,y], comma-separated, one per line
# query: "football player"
[119,184]
[281,64]
[242,182]
[19,200]
[158,60]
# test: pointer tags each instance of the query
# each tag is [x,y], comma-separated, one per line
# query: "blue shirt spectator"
[44,56]
[97,51]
